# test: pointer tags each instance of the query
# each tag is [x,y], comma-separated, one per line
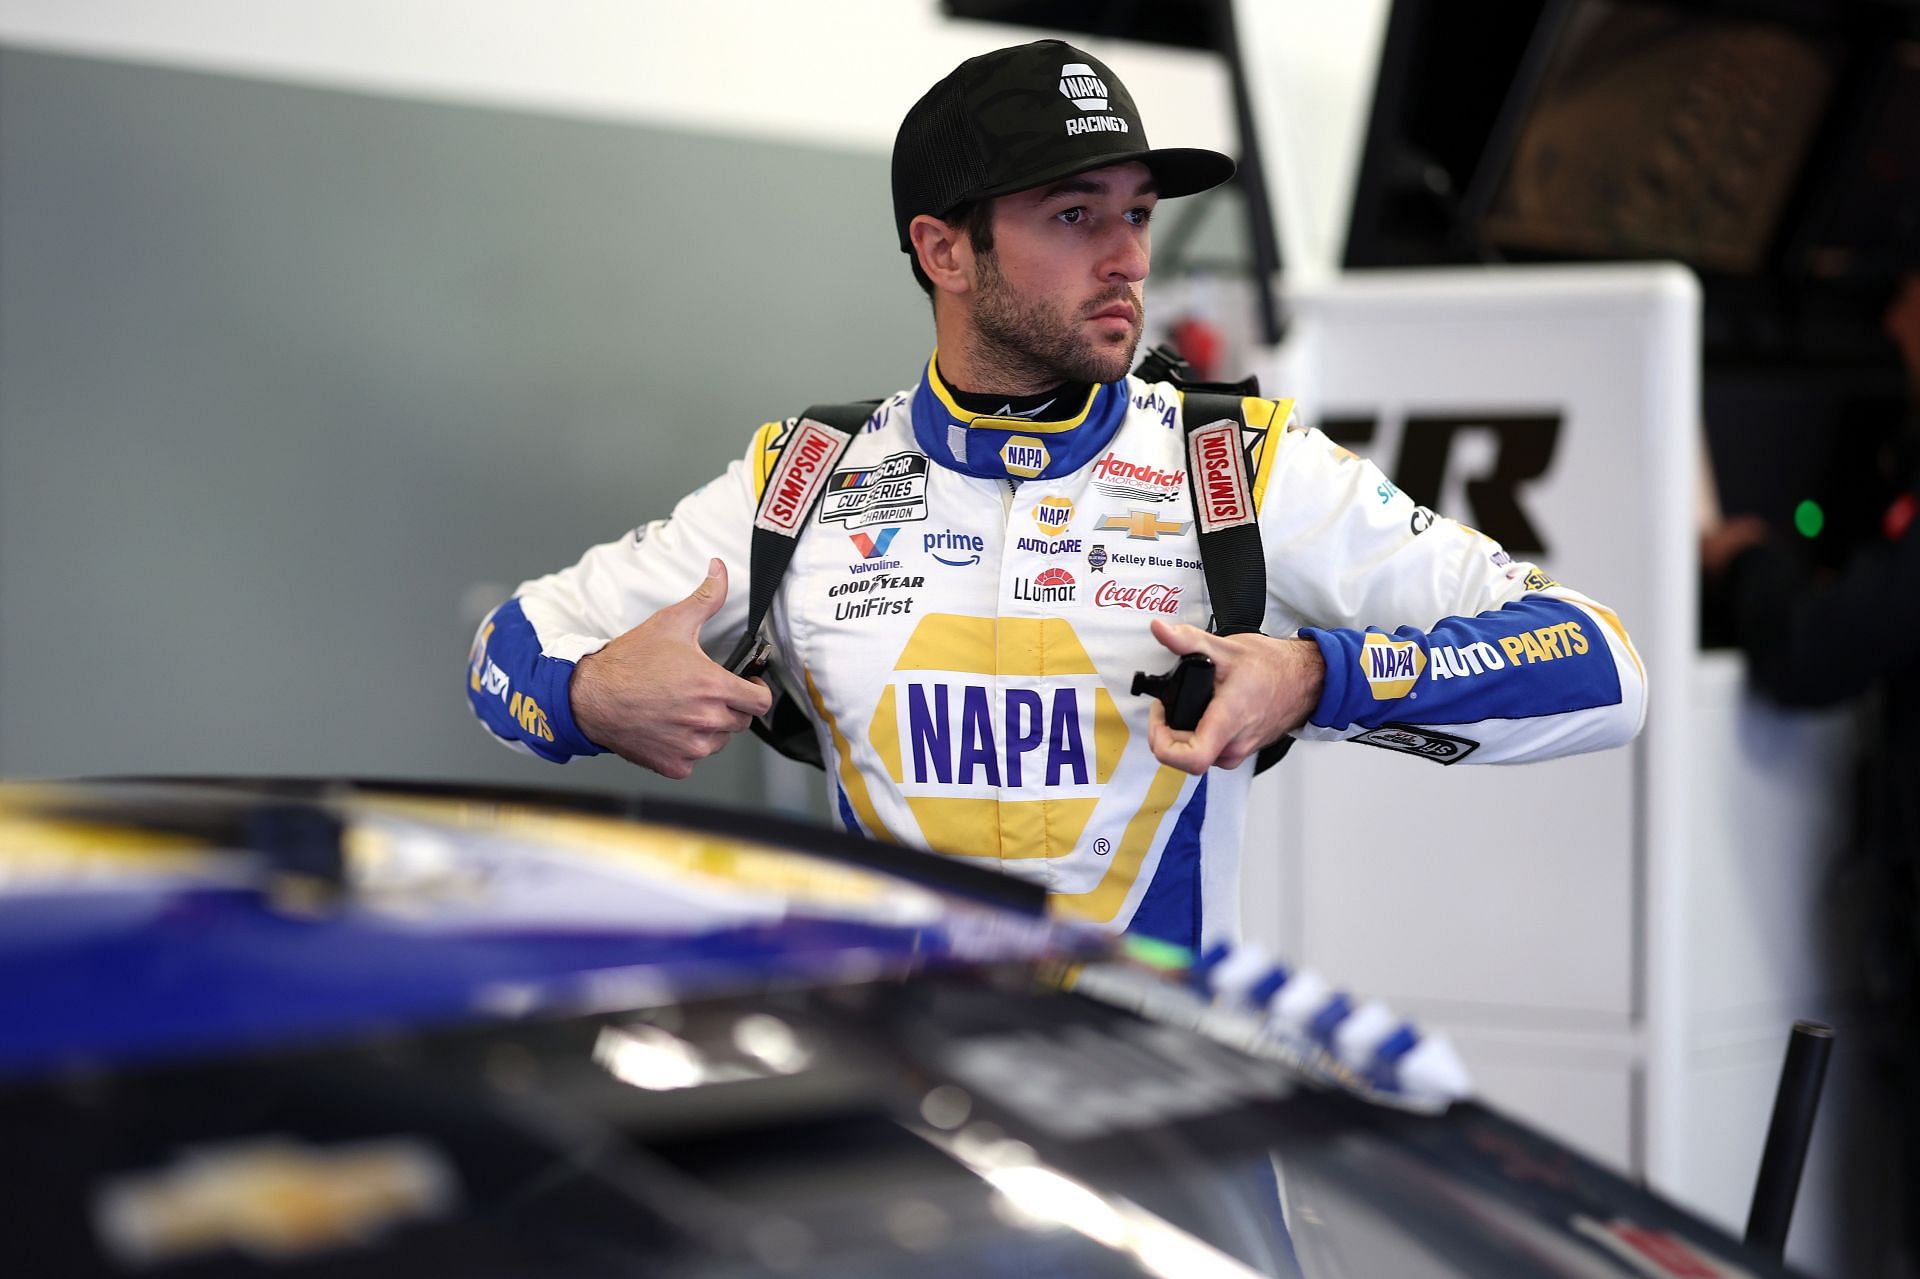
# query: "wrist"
[583,712]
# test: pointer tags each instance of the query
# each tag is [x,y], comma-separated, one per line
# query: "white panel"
[1511,890]
[1769,823]
[1471,887]
[1581,1093]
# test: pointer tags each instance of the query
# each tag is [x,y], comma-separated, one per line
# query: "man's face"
[1059,298]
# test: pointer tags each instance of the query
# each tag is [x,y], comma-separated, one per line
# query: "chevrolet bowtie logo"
[1142,526]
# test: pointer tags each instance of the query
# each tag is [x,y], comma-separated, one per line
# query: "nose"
[1129,258]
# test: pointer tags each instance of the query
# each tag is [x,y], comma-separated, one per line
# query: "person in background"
[1819,638]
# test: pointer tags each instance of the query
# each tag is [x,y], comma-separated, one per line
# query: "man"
[1003,544]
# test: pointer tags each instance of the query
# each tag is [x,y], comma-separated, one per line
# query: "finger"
[1180,638]
[749,696]
[691,613]
[1181,755]
[1158,733]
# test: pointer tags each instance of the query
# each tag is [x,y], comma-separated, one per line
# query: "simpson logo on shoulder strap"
[1214,415]
[818,438]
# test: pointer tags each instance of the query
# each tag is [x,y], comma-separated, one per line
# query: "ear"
[945,253]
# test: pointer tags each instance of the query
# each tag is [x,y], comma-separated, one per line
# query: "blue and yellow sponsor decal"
[1390,666]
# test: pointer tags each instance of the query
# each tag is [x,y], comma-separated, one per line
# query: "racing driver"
[1003,543]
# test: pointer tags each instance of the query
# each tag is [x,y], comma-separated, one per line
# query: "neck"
[972,363]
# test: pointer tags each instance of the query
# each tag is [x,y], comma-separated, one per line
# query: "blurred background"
[323,325]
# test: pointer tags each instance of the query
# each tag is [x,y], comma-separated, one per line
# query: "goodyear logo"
[1024,455]
[1545,644]
[1053,514]
[1391,666]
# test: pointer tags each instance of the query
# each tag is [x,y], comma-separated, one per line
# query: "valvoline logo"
[873,545]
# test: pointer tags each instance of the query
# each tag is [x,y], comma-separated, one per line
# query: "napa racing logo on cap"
[1079,85]
[1024,456]
[892,492]
[1053,514]
[1087,90]
[1391,667]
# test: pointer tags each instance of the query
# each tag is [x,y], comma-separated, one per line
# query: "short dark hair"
[975,218]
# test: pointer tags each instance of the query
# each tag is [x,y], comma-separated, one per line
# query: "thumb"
[1178,637]
[705,600]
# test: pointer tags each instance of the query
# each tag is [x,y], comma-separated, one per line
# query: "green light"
[1809,518]
[1155,953]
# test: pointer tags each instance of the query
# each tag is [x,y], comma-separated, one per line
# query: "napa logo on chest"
[1391,667]
[981,707]
[1053,514]
[967,734]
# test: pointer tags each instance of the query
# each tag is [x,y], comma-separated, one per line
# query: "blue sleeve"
[519,692]
[1533,658]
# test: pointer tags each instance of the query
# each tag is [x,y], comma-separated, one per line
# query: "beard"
[1026,342]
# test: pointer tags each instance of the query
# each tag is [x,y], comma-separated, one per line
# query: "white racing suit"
[965,611]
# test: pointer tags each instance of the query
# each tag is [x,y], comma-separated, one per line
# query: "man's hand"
[651,696]
[1262,688]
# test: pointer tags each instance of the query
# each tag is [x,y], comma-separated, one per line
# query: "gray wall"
[285,373]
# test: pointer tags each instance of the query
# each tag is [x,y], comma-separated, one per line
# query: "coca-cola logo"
[1154,597]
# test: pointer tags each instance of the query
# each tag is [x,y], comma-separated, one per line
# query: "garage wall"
[294,383]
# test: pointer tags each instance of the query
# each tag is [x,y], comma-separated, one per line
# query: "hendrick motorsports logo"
[1126,481]
[893,492]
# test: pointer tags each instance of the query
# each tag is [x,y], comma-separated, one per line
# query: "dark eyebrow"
[1082,185]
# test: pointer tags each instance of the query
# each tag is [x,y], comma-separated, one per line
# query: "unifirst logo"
[1087,90]
[1391,666]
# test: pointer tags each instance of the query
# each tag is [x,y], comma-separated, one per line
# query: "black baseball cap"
[1015,118]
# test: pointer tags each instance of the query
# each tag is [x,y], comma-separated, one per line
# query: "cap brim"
[1177,171]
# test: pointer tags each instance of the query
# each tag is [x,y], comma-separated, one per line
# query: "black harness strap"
[1220,482]
[794,489]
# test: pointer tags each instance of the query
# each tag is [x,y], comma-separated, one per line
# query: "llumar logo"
[798,476]
[1221,473]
